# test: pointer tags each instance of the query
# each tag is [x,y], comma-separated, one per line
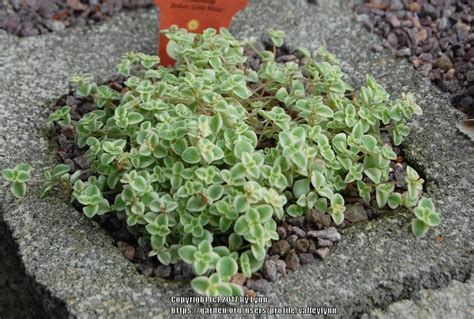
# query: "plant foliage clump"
[204,158]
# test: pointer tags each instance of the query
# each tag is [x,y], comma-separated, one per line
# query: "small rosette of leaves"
[426,217]
[18,177]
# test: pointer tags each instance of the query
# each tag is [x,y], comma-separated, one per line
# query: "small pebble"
[280,247]
[281,232]
[270,270]
[305,258]
[302,245]
[281,266]
[322,252]
[324,243]
[239,278]
[330,233]
[292,260]
[355,213]
[297,221]
[298,232]
[146,270]
[163,271]
[259,285]
[127,250]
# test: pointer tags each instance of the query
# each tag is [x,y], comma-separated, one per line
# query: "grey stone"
[163,271]
[305,258]
[280,247]
[71,263]
[470,76]
[259,285]
[281,266]
[298,232]
[330,233]
[322,252]
[396,5]
[292,260]
[403,52]
[324,243]
[355,213]
[270,270]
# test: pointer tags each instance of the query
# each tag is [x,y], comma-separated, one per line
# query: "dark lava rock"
[302,245]
[297,221]
[34,17]
[305,258]
[292,240]
[239,278]
[403,52]
[355,213]
[318,219]
[324,242]
[281,266]
[312,246]
[298,232]
[292,260]
[322,252]
[400,175]
[280,247]
[127,250]
[443,62]
[270,270]
[259,285]
[82,162]
[469,55]
[163,271]
[184,271]
[281,231]
[146,270]
[470,76]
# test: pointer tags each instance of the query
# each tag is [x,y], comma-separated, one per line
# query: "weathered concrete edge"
[21,294]
[453,301]
[440,177]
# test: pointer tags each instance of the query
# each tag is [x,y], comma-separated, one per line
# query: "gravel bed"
[34,17]
[437,36]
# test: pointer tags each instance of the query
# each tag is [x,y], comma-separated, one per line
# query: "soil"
[437,36]
[302,239]
[34,17]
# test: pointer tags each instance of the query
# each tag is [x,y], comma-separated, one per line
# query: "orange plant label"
[195,16]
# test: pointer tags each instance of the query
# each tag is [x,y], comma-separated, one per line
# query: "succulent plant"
[213,149]
[18,177]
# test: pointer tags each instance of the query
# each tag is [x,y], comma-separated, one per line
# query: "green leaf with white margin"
[7,173]
[242,145]
[200,284]
[187,253]
[394,200]
[300,187]
[18,189]
[374,174]
[382,193]
[242,91]
[258,251]
[419,228]
[191,155]
[370,143]
[338,218]
[324,111]
[60,170]
[227,266]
